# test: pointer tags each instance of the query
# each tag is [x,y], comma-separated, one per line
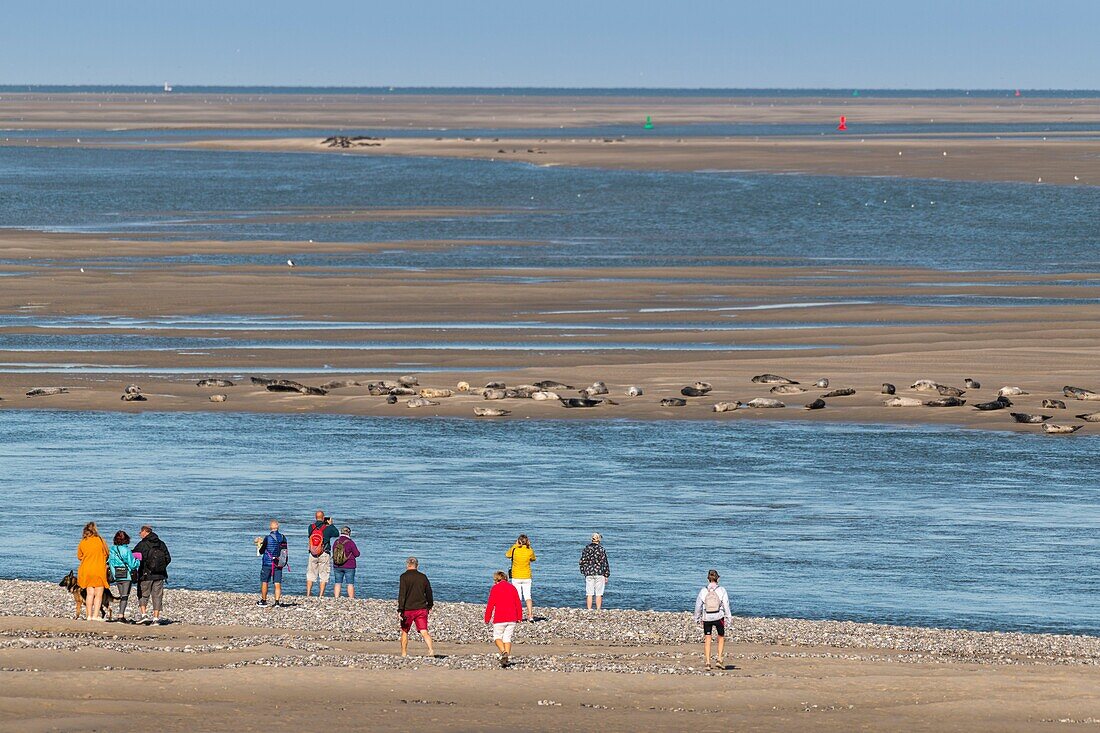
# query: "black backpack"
[155,561]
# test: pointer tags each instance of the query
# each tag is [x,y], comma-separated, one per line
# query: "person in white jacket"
[712,610]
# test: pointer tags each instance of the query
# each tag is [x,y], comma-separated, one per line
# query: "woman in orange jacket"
[92,573]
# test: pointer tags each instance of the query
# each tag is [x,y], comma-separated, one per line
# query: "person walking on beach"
[712,610]
[522,555]
[596,571]
[503,610]
[273,552]
[152,573]
[91,575]
[321,533]
[414,603]
[122,566]
[344,553]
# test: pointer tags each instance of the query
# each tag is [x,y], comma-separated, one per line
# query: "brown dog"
[80,596]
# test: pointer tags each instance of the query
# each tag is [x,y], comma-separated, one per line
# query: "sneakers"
[504,659]
[263,602]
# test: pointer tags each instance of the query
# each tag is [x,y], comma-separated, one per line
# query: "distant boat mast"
[167,87]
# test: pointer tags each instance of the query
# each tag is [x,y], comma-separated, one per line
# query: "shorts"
[523,585]
[343,575]
[419,618]
[503,632]
[718,625]
[270,573]
[318,567]
[594,585]
[152,593]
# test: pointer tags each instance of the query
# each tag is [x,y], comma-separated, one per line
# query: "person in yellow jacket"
[92,573]
[522,555]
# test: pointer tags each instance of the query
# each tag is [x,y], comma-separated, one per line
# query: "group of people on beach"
[333,555]
[122,569]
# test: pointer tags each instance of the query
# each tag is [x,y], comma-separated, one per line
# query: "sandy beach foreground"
[225,664]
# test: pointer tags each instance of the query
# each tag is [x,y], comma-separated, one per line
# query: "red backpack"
[317,539]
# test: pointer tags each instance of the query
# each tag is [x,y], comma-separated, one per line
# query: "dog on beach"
[80,596]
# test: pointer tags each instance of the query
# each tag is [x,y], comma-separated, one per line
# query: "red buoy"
[843,123]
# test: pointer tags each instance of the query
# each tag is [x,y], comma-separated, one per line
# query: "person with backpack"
[122,568]
[712,610]
[91,574]
[274,556]
[596,571]
[522,555]
[152,573]
[344,553]
[321,533]
[503,610]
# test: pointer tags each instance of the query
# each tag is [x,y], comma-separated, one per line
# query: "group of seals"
[133,394]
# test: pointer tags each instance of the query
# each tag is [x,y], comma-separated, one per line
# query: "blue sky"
[767,43]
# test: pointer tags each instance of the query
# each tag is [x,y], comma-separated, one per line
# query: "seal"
[132,389]
[579,402]
[634,391]
[772,379]
[1028,418]
[693,391]
[134,397]
[902,402]
[409,380]
[463,386]
[1010,392]
[1090,417]
[764,402]
[495,385]
[1054,404]
[213,383]
[888,388]
[1079,393]
[1052,429]
[972,384]
[550,385]
[925,385]
[218,398]
[822,383]
[403,391]
[432,393]
[949,401]
[420,402]
[998,404]
[726,406]
[340,384]
[597,388]
[673,402]
[545,395]
[288,385]
[46,391]
[947,391]
[786,389]
[843,392]
[391,399]
[490,412]
[818,404]
[493,393]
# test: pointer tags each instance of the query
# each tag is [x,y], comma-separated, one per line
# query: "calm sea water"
[588,218]
[912,525]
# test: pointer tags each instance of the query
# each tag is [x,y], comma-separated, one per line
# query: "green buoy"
[648,123]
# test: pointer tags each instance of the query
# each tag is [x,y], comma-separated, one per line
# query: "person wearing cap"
[344,552]
[596,571]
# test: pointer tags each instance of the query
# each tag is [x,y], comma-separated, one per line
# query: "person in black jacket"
[414,602]
[152,573]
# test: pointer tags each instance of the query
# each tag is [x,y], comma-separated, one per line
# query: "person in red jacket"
[503,611]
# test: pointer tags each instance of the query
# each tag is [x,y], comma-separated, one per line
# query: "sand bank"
[227,662]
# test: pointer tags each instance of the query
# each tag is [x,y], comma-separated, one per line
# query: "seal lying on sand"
[545,395]
[772,379]
[134,397]
[888,388]
[822,383]
[409,380]
[633,391]
[490,412]
[420,402]
[214,383]
[495,385]
[693,392]
[948,391]
[971,384]
[1090,417]
[340,384]
[1078,393]
[1028,418]
[596,388]
[844,392]
[764,402]
[550,385]
[903,402]
[432,393]
[289,385]
[818,404]
[218,398]
[1052,429]
[463,386]
[998,404]
[786,389]
[673,402]
[946,402]
[725,406]
[493,394]
[1010,392]
[1054,404]
[579,402]
[46,391]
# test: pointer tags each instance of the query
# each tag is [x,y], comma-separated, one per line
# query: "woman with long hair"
[92,553]
[522,555]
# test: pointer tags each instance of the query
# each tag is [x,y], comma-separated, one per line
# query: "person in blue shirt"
[121,568]
[272,550]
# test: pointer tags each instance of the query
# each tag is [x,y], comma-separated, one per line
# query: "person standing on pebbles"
[503,610]
[273,553]
[152,573]
[321,533]
[122,566]
[414,603]
[344,553]
[91,575]
[596,571]
[522,555]
[712,610]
